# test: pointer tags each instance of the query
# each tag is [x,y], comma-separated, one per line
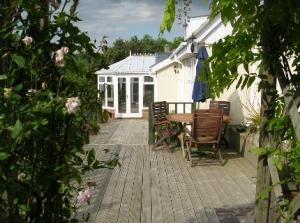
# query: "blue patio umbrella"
[200,89]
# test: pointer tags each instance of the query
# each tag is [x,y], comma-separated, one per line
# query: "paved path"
[158,186]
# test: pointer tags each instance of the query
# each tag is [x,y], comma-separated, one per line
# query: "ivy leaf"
[4,155]
[19,60]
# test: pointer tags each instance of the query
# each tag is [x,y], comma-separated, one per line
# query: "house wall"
[167,85]
[243,102]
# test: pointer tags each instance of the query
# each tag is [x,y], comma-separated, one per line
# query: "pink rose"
[72,104]
[59,56]
[27,40]
[84,196]
[65,50]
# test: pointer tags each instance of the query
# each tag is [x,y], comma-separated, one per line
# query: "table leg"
[181,139]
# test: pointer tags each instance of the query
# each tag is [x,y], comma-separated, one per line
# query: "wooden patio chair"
[162,125]
[206,130]
[225,106]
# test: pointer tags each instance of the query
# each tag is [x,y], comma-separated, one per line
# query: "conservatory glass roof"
[134,64]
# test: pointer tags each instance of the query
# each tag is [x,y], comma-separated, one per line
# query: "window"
[101,79]
[148,79]
[110,95]
[109,79]
[106,90]
[148,96]
[101,88]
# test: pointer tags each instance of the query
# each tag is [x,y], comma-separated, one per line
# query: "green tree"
[265,33]
[146,45]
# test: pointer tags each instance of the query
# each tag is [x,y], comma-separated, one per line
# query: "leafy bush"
[47,100]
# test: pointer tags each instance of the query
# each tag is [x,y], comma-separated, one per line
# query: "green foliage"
[265,34]
[146,45]
[42,159]
[293,158]
[169,16]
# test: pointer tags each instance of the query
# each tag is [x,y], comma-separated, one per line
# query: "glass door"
[134,95]
[122,94]
[129,97]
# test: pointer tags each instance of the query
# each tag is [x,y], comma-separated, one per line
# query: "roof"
[134,64]
[198,29]
[193,24]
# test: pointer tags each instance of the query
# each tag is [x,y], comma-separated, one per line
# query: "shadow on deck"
[158,186]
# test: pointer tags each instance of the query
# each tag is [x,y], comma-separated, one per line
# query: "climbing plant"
[48,102]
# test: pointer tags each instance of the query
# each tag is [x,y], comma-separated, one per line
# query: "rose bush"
[48,106]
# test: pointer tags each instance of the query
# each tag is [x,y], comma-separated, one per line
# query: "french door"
[129,97]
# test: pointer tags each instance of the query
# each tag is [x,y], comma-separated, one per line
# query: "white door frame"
[128,114]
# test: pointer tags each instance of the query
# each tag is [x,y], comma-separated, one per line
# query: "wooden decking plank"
[219,184]
[118,192]
[207,181]
[176,201]
[158,186]
[247,169]
[238,197]
[188,209]
[107,200]
[136,200]
[146,190]
[191,186]
[156,205]
[168,215]
[245,166]
[127,192]
[240,180]
[206,192]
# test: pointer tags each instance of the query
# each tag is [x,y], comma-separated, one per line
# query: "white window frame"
[105,83]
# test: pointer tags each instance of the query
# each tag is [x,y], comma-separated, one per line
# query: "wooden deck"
[158,186]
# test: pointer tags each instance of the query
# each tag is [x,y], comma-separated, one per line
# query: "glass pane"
[134,88]
[109,79]
[148,94]
[101,79]
[148,79]
[110,95]
[122,94]
[101,90]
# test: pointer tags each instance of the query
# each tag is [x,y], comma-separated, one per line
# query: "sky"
[126,18]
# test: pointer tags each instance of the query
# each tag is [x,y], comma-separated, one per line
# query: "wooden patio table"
[187,119]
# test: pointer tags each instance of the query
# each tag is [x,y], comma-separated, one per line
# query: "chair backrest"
[159,111]
[207,125]
[225,105]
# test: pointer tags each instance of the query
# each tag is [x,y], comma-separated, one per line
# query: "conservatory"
[128,86]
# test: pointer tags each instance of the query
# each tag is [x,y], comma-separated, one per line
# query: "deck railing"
[173,108]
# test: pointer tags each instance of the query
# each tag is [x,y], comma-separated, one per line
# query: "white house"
[175,75]
[128,85]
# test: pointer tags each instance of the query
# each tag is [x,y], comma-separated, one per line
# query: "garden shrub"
[47,99]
